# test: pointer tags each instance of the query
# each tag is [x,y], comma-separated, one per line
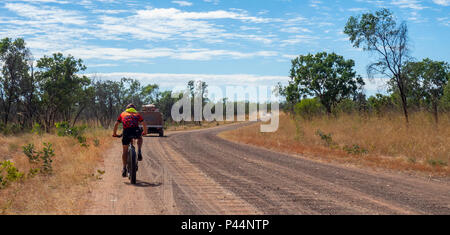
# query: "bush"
[46,156]
[10,129]
[355,149]
[436,162]
[346,106]
[37,129]
[381,104]
[64,129]
[326,138]
[8,173]
[96,142]
[35,157]
[309,108]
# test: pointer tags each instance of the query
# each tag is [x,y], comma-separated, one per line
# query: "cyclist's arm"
[144,131]
[115,128]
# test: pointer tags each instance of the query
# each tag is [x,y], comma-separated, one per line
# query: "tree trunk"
[403,97]
[435,111]
[77,116]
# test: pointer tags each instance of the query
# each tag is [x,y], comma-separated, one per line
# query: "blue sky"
[224,42]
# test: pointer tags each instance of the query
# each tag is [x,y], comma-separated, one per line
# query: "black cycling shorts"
[131,133]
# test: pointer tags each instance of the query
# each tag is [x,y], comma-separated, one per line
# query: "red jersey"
[130,120]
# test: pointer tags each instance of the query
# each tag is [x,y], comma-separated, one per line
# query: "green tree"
[428,79]
[62,90]
[13,56]
[379,33]
[291,93]
[150,93]
[329,77]
[131,92]
[164,103]
[106,102]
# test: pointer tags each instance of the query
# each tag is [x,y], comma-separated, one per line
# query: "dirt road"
[196,172]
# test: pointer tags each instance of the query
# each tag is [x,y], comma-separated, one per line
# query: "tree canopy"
[329,77]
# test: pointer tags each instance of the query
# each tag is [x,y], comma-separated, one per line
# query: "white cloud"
[176,14]
[444,20]
[102,65]
[442,2]
[109,12]
[43,1]
[172,24]
[376,85]
[117,54]
[215,2]
[297,39]
[295,30]
[46,14]
[357,9]
[183,3]
[411,4]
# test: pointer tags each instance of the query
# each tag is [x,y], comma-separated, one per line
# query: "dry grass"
[62,192]
[420,147]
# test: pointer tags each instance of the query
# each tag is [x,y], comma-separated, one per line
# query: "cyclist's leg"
[124,155]
[125,142]
[139,142]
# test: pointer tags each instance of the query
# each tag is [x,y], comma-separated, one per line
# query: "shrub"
[346,106]
[96,142]
[37,129]
[64,129]
[355,149]
[309,108]
[46,156]
[8,173]
[10,129]
[435,162]
[35,157]
[325,137]
[32,155]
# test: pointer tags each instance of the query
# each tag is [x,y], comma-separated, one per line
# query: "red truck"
[153,118]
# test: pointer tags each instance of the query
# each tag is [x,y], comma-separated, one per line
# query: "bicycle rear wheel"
[132,165]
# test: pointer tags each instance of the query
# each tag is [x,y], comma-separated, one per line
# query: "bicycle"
[132,162]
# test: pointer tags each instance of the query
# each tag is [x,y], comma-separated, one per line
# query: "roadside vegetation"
[327,114]
[49,173]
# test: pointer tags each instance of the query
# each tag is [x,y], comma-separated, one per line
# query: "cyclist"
[130,120]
